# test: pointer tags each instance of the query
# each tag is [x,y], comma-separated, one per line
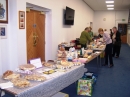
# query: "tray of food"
[20,83]
[10,75]
[100,47]
[35,77]
[49,71]
[27,67]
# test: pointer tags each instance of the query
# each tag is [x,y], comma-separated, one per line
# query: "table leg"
[0,93]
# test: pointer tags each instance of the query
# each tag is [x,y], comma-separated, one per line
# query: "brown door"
[122,28]
[35,25]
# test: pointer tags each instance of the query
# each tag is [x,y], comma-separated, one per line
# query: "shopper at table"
[85,37]
[90,32]
[108,51]
[111,33]
[116,37]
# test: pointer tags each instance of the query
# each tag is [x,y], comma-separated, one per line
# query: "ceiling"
[101,5]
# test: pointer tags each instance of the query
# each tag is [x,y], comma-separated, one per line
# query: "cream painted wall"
[13,49]
[112,19]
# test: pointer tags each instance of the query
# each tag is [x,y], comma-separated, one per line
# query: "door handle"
[35,39]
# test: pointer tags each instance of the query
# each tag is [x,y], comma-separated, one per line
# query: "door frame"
[122,23]
[48,29]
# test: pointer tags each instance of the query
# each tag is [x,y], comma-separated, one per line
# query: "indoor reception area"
[64,48]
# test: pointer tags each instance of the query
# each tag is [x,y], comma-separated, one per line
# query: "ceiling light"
[109,1]
[110,5]
[110,8]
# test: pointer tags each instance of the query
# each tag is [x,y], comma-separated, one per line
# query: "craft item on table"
[27,67]
[36,62]
[35,77]
[10,75]
[20,83]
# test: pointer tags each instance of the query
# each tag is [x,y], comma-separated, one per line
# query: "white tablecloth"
[51,86]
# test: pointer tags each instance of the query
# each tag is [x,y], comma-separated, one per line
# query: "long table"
[48,87]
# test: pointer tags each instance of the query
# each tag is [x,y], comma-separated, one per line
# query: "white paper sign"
[36,62]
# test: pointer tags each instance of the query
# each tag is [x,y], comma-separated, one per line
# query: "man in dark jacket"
[116,37]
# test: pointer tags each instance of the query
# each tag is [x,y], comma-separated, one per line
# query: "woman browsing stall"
[108,51]
[85,37]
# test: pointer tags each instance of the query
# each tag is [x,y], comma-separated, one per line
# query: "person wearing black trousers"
[108,51]
[116,37]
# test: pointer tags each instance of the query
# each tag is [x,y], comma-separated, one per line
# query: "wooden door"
[122,28]
[35,25]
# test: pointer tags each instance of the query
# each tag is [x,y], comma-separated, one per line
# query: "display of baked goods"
[62,67]
[49,72]
[50,64]
[101,46]
[71,64]
[64,63]
[27,67]
[20,83]
[35,77]
[7,73]
[89,57]
[85,55]
[61,48]
[77,63]
[10,75]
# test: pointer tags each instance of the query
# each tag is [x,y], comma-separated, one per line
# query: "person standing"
[116,42]
[108,50]
[85,37]
[111,33]
[90,32]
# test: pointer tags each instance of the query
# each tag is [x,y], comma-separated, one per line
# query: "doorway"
[35,35]
[122,28]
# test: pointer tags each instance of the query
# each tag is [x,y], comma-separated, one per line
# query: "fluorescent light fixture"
[109,1]
[110,8]
[110,5]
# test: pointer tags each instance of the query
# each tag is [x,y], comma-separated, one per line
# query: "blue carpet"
[111,82]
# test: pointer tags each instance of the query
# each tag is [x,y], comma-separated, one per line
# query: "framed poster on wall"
[3,11]
[3,31]
[21,19]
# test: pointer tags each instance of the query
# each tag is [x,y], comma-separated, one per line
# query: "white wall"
[15,45]
[112,19]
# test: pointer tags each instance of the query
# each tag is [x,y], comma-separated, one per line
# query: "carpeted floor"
[111,82]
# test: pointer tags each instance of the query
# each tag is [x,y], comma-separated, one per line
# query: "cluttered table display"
[42,82]
[83,55]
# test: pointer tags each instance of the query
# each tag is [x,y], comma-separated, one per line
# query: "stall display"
[20,83]
[35,77]
[27,67]
[10,75]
